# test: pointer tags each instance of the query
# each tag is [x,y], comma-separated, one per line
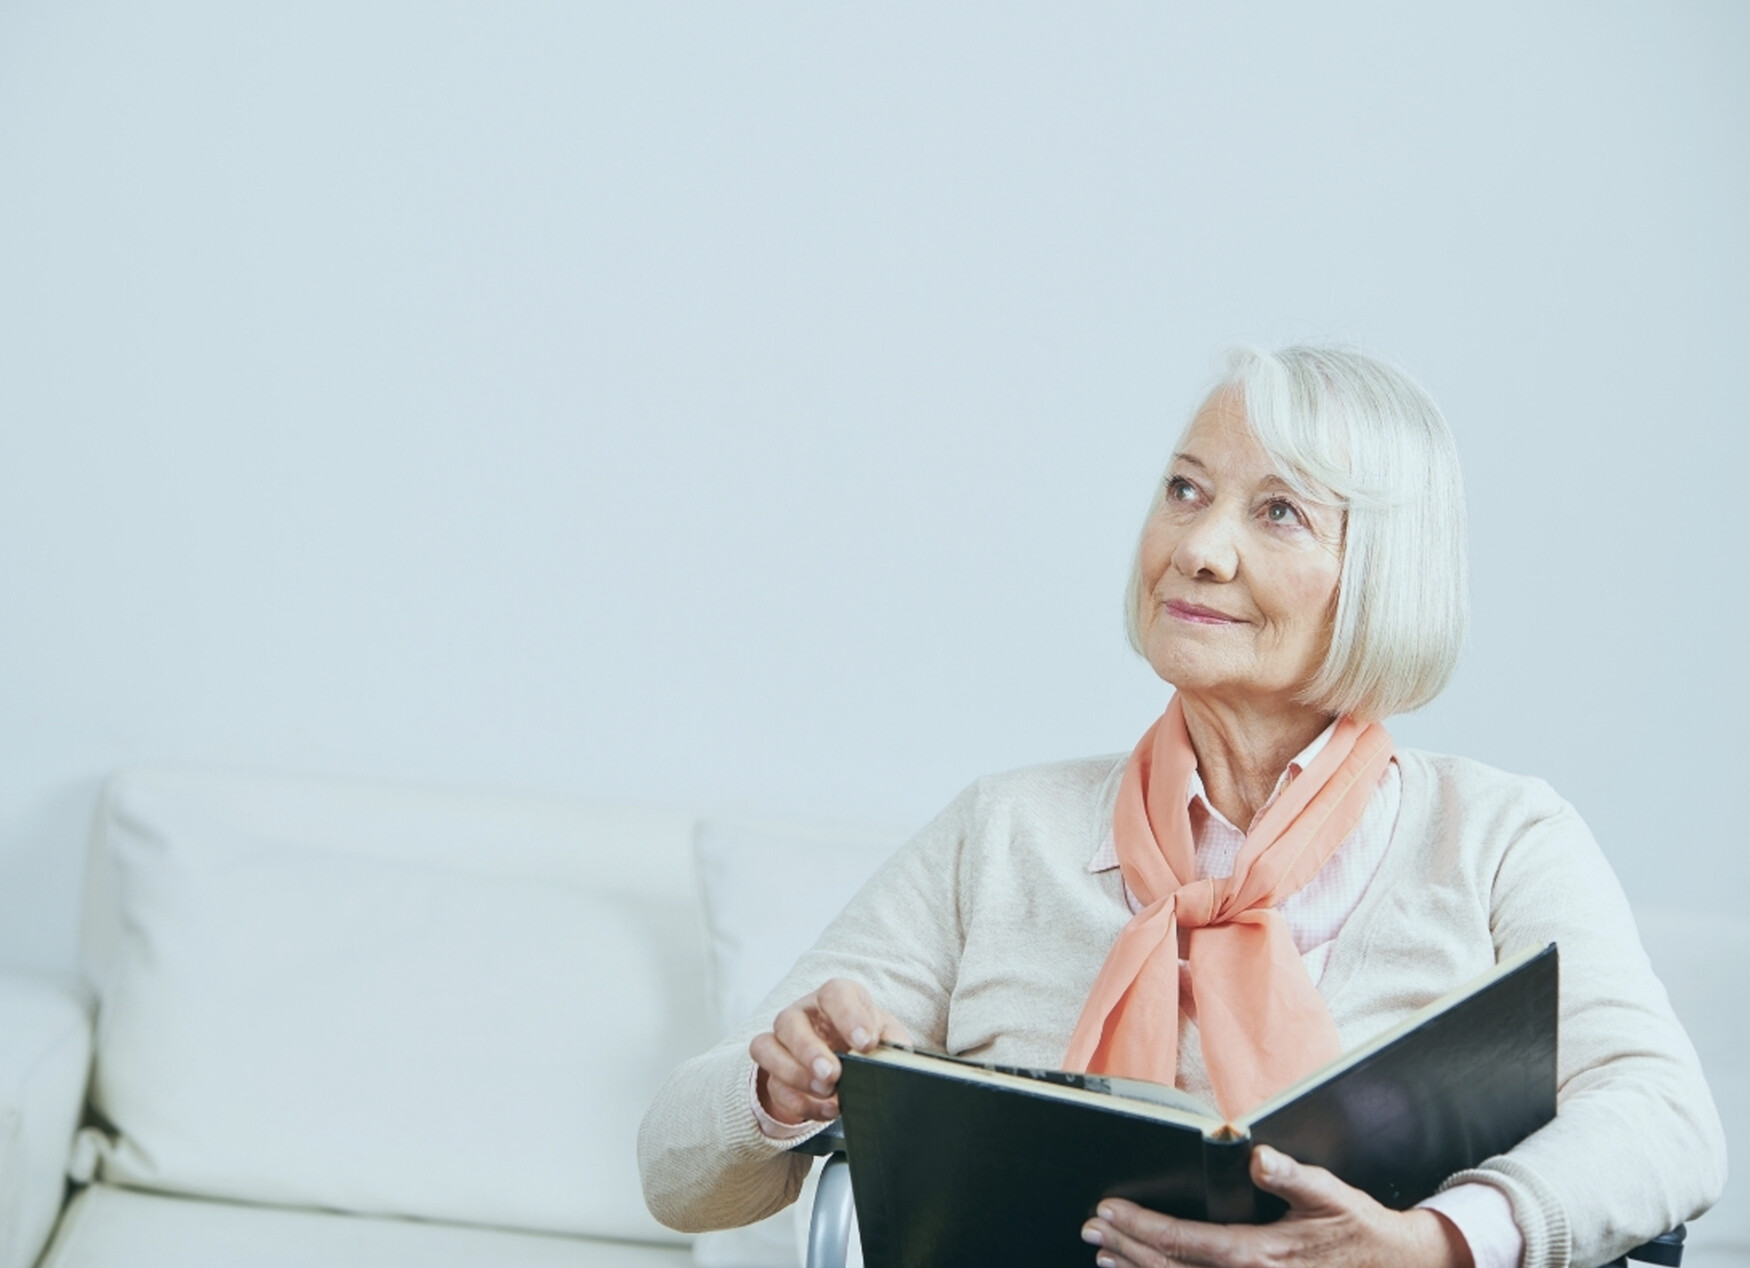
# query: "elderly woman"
[1264,882]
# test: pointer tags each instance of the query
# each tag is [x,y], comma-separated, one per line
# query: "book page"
[1137,1096]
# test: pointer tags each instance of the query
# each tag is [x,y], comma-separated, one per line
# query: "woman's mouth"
[1197,613]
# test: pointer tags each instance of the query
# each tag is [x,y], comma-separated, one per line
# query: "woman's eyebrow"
[1185,457]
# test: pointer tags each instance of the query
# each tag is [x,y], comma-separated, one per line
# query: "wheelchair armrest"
[1667,1248]
[825,1142]
[829,1224]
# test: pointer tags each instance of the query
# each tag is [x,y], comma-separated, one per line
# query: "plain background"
[755,406]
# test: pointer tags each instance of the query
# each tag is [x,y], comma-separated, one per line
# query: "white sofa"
[341,1023]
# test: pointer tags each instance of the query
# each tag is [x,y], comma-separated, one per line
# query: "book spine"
[1228,1195]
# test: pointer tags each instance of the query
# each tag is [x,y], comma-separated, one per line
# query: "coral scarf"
[1263,1023]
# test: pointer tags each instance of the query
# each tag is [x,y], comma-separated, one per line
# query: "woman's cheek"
[1314,589]
[1157,549]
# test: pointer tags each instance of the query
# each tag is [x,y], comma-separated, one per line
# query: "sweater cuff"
[1542,1221]
[1483,1216]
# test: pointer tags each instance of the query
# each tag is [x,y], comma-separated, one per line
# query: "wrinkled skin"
[1328,1223]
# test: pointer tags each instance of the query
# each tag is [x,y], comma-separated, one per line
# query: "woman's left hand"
[1327,1223]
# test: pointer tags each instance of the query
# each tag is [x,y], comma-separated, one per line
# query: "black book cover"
[955,1163]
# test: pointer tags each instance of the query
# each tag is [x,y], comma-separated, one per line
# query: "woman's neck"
[1242,749]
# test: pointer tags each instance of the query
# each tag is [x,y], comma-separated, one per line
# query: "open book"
[957,1162]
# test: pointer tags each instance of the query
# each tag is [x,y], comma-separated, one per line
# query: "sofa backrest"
[390,1000]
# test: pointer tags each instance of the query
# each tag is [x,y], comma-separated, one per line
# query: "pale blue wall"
[757,407]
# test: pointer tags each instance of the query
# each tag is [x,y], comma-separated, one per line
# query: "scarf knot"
[1200,903]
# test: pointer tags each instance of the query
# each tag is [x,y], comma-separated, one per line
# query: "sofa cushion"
[109,1228]
[769,890]
[387,1000]
[1703,958]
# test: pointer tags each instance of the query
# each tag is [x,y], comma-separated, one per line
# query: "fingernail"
[1270,1160]
[1091,1235]
[1105,1261]
[860,1037]
[822,1068]
[820,1089]
[1105,1213]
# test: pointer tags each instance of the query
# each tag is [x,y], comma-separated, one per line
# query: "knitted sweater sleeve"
[703,1160]
[1636,1146]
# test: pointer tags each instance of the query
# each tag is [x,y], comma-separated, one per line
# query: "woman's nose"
[1208,549]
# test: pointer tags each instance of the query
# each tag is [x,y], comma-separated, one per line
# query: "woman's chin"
[1230,689]
[1184,669]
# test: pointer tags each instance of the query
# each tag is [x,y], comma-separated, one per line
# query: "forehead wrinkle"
[1281,475]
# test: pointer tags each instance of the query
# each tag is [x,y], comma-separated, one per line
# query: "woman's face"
[1239,572]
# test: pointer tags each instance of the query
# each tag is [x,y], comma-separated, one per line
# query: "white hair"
[1349,430]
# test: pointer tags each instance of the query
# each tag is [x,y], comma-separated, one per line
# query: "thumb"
[1306,1189]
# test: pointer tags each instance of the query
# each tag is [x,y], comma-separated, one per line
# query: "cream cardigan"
[984,932]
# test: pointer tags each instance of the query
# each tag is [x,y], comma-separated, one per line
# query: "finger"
[796,1029]
[782,1069]
[1136,1232]
[1310,1190]
[1112,1259]
[1120,1251]
[792,1106]
[846,1007]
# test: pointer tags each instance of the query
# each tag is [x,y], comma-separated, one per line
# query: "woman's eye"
[1180,489]
[1280,512]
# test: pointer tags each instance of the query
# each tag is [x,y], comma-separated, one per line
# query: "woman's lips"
[1201,615]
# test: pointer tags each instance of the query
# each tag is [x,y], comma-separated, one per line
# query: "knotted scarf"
[1263,1023]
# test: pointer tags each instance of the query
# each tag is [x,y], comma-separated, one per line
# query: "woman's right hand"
[798,1057]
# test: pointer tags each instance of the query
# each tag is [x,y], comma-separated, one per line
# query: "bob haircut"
[1347,430]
